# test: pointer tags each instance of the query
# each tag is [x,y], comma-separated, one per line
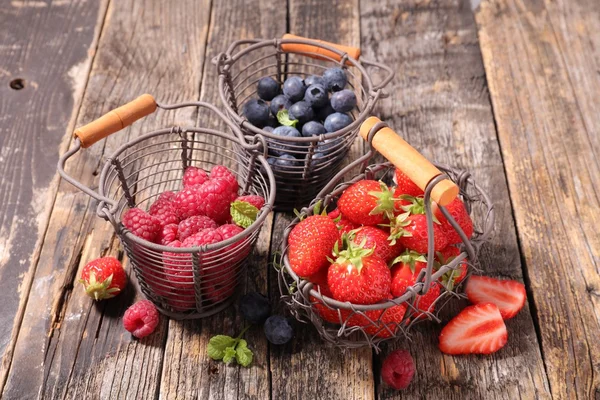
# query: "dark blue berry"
[255,307]
[294,88]
[337,121]
[279,103]
[278,330]
[302,111]
[329,145]
[335,79]
[267,88]
[268,128]
[314,80]
[313,128]
[343,101]
[278,148]
[318,159]
[316,96]
[322,113]
[257,112]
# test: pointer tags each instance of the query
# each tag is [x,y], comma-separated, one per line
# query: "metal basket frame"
[156,265]
[300,295]
[300,183]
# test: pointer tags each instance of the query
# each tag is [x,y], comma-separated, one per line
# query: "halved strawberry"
[509,296]
[478,329]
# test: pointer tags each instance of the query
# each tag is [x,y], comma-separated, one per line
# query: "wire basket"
[350,325]
[247,61]
[184,283]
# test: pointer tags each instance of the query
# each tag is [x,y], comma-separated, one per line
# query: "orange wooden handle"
[115,120]
[410,161]
[316,51]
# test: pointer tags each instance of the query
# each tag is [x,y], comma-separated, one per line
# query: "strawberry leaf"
[284,118]
[243,213]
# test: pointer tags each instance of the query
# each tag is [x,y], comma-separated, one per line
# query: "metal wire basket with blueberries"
[307,98]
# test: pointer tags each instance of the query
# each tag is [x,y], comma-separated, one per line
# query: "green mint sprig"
[284,118]
[226,348]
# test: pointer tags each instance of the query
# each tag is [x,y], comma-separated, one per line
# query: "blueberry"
[279,149]
[278,330]
[302,111]
[279,103]
[267,88]
[255,307]
[337,121]
[286,160]
[318,159]
[343,101]
[294,88]
[322,113]
[272,122]
[257,112]
[314,80]
[335,79]
[313,128]
[316,96]
[329,145]
[268,128]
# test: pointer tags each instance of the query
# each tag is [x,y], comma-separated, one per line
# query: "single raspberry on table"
[141,319]
[398,369]
[193,225]
[142,224]
[256,201]
[168,234]
[219,171]
[164,211]
[189,202]
[216,197]
[194,176]
[103,278]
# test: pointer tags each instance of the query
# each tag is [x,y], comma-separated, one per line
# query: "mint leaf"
[284,118]
[243,355]
[217,346]
[229,355]
[242,213]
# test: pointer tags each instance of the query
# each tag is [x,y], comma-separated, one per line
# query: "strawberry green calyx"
[352,254]
[385,201]
[410,257]
[397,225]
[416,206]
[100,290]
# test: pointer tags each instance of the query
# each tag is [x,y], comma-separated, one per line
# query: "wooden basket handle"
[115,120]
[410,161]
[317,51]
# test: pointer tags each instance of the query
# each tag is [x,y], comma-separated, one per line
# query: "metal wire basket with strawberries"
[398,241]
[307,98]
[186,202]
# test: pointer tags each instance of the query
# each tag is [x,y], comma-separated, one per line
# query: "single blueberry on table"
[256,111]
[278,330]
[279,103]
[314,80]
[316,96]
[255,307]
[337,121]
[267,88]
[278,148]
[343,101]
[313,128]
[323,112]
[302,111]
[335,79]
[294,88]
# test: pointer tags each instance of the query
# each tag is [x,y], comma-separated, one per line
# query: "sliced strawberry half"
[478,329]
[509,296]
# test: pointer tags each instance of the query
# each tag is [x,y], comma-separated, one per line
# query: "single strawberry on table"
[103,278]
[478,329]
[458,211]
[310,243]
[509,296]
[367,202]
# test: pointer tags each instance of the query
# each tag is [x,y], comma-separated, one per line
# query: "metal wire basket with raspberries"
[307,98]
[186,202]
[398,242]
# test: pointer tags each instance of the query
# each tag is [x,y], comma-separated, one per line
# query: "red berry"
[141,319]
[103,278]
[194,176]
[216,196]
[182,300]
[330,314]
[509,296]
[453,277]
[168,234]
[344,225]
[221,172]
[142,224]
[203,237]
[166,196]
[256,201]
[238,251]
[381,323]
[188,202]
[178,269]
[311,243]
[195,224]
[414,236]
[458,211]
[405,186]
[376,239]
[398,369]
[164,211]
[367,202]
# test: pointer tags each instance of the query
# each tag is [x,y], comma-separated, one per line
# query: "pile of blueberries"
[315,105]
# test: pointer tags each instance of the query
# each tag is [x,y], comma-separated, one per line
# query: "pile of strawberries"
[371,249]
[205,211]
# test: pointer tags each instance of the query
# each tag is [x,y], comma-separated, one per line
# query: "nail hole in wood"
[17,84]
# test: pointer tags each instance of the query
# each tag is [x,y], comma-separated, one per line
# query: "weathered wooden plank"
[43,71]
[135,55]
[542,63]
[439,103]
[188,372]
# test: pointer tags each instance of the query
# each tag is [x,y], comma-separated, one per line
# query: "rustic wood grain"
[439,103]
[51,67]
[136,54]
[542,60]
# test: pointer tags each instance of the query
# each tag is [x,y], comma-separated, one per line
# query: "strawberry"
[454,277]
[103,278]
[367,202]
[458,211]
[310,244]
[405,186]
[330,314]
[343,224]
[370,237]
[194,176]
[320,278]
[509,296]
[405,270]
[381,323]
[411,232]
[478,329]
[358,276]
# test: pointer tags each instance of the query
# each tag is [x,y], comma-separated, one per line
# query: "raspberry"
[219,171]
[216,198]
[168,234]
[142,224]
[141,319]
[194,224]
[178,268]
[205,236]
[166,196]
[164,211]
[256,201]
[188,202]
[194,176]
[182,300]
[398,369]
[227,231]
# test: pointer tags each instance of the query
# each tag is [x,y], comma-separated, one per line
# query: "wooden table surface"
[509,91]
